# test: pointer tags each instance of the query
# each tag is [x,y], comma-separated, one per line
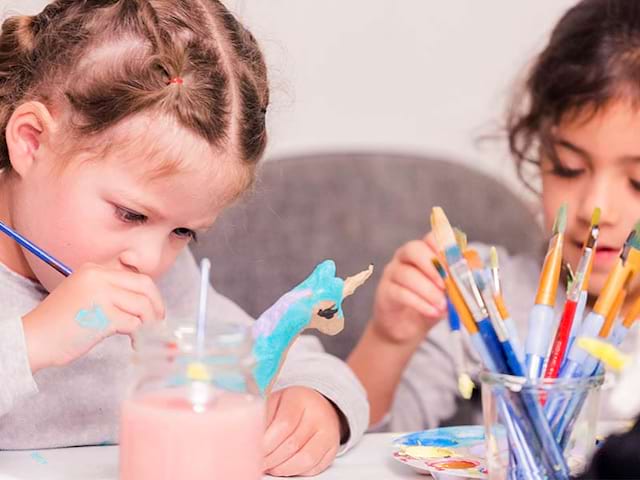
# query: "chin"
[596,284]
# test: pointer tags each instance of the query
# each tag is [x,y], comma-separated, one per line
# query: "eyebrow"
[561,142]
[140,207]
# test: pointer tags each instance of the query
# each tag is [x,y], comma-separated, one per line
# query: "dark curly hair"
[592,58]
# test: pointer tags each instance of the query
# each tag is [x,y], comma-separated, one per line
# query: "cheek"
[552,198]
[70,225]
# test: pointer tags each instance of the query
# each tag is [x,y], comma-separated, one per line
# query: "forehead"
[157,153]
[615,126]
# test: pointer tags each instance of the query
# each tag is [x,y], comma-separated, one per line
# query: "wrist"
[378,332]
[345,431]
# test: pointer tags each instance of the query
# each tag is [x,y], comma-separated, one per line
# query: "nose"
[599,192]
[146,257]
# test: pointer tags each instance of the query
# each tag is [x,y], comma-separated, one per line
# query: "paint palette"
[445,453]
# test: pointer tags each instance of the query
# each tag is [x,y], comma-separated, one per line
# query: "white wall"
[408,75]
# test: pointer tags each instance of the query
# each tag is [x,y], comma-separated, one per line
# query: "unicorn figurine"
[314,303]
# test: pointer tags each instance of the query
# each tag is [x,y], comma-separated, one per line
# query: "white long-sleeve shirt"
[78,404]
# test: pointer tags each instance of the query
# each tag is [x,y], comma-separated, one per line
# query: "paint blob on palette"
[445,453]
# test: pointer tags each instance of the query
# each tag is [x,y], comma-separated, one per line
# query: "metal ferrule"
[463,278]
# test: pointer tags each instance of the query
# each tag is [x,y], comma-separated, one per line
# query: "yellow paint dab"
[417,451]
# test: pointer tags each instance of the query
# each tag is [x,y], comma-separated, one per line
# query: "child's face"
[112,210]
[599,159]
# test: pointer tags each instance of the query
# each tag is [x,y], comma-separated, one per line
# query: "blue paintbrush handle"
[37,251]
[490,339]
[481,348]
[618,335]
[454,318]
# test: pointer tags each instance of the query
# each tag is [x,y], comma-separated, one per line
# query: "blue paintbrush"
[37,251]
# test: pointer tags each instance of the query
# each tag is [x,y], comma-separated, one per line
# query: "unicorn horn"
[352,283]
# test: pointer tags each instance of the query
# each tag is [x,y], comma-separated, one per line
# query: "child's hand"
[303,433]
[410,297]
[93,303]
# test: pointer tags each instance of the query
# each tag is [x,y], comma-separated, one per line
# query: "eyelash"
[573,173]
[127,216]
[564,172]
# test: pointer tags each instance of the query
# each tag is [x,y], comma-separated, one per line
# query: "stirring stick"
[196,370]
[205,268]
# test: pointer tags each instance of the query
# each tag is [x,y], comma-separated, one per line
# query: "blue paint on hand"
[94,318]
[37,456]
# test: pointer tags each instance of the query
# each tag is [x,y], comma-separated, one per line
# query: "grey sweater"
[79,404]
[428,393]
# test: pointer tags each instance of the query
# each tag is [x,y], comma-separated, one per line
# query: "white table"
[370,460]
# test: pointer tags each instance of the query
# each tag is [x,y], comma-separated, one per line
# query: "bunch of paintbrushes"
[537,427]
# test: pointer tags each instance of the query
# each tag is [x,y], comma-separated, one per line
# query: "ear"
[30,126]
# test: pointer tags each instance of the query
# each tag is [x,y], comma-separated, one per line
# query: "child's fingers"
[141,284]
[134,304]
[403,296]
[413,280]
[304,458]
[430,238]
[127,325]
[419,254]
[323,463]
[292,443]
[281,428]
[273,403]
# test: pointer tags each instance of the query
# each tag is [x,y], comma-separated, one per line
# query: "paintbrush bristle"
[473,259]
[560,223]
[595,217]
[493,257]
[634,237]
[442,229]
[461,238]
[439,268]
[570,275]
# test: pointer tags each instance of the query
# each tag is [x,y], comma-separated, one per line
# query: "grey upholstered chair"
[357,209]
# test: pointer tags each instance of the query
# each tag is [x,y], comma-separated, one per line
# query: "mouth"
[605,253]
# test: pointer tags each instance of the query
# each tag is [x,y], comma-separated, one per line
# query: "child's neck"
[11,255]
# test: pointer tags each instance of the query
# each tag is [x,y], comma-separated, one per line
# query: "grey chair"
[355,208]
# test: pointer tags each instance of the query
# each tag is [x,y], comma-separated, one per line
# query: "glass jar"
[192,413]
[538,429]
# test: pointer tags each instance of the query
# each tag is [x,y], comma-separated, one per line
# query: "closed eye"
[565,172]
[328,313]
[186,233]
[129,216]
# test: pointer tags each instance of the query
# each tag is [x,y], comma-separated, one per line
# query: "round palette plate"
[450,452]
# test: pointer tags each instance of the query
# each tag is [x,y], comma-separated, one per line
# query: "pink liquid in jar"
[162,437]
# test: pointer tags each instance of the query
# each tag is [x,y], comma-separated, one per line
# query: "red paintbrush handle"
[561,340]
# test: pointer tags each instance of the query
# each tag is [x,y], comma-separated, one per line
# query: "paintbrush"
[577,288]
[542,314]
[620,331]
[463,278]
[465,384]
[501,306]
[625,266]
[37,251]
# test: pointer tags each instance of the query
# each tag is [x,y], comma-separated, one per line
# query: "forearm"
[379,363]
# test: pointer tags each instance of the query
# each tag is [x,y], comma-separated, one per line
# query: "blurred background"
[414,76]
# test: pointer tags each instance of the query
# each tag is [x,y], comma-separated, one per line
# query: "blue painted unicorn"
[314,303]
